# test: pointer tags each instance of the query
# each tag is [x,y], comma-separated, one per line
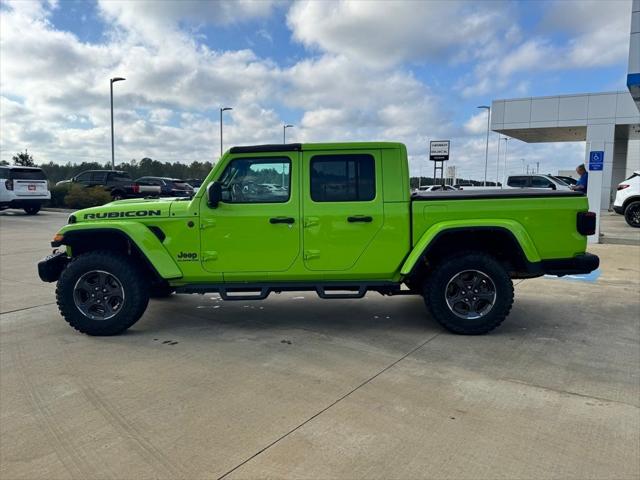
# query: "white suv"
[628,199]
[23,187]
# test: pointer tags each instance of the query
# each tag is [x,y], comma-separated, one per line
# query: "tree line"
[146,167]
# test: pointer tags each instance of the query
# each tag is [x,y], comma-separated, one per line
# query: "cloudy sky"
[338,71]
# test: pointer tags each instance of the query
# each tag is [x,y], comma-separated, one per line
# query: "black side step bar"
[260,291]
[326,293]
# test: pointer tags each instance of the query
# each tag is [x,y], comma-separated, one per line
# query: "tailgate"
[28,188]
[150,189]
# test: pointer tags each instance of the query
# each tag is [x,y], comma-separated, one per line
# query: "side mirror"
[214,194]
[553,186]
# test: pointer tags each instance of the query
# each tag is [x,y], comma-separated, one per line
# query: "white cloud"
[152,20]
[386,33]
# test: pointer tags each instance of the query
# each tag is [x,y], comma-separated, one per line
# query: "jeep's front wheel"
[470,294]
[102,293]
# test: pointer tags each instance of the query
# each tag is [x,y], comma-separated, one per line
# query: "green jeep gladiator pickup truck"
[337,219]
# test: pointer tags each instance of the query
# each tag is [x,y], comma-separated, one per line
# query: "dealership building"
[608,123]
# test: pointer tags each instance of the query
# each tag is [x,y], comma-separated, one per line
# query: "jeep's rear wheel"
[469,294]
[102,293]
[632,214]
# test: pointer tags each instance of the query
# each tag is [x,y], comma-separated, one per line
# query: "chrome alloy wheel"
[98,295]
[470,294]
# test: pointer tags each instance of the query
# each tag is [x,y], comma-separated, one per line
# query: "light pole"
[284,132]
[113,155]
[506,149]
[498,161]
[222,109]
[486,153]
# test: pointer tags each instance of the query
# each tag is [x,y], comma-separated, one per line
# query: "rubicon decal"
[132,213]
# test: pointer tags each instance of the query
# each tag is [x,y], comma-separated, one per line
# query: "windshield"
[120,176]
[26,174]
[634,175]
[561,182]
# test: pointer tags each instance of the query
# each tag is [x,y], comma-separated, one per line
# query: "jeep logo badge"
[187,256]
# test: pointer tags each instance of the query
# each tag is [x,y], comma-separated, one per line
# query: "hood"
[136,208]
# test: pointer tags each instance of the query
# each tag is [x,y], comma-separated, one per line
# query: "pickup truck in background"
[343,224]
[118,183]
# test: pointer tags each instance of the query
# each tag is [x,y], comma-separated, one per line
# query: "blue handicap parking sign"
[596,160]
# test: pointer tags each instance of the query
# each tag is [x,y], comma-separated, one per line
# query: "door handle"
[360,218]
[288,220]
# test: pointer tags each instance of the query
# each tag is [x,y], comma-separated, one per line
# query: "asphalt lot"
[299,387]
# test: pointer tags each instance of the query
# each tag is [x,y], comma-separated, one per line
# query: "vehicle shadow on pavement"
[304,311]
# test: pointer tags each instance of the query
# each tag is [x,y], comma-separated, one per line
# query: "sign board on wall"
[596,161]
[439,150]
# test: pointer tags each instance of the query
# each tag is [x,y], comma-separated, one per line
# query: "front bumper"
[618,210]
[580,264]
[51,266]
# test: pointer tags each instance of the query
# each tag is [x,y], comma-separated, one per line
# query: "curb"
[60,210]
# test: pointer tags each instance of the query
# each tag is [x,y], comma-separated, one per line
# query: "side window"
[256,180]
[84,177]
[540,182]
[99,177]
[518,182]
[343,178]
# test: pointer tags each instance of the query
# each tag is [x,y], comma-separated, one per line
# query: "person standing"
[583,181]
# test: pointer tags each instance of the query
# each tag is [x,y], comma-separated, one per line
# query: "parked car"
[333,232]
[568,180]
[23,187]
[169,187]
[195,183]
[537,180]
[627,200]
[435,188]
[118,183]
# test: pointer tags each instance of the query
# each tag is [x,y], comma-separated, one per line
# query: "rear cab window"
[343,178]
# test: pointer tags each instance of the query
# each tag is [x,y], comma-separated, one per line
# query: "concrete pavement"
[298,387]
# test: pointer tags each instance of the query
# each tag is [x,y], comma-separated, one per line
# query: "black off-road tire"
[435,290]
[131,278]
[32,210]
[117,195]
[632,214]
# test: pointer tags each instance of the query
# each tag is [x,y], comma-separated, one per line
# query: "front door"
[343,207]
[256,226]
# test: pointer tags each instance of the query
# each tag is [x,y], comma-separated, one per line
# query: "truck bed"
[493,194]
[547,216]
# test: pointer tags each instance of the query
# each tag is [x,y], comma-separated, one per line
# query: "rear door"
[29,182]
[342,207]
